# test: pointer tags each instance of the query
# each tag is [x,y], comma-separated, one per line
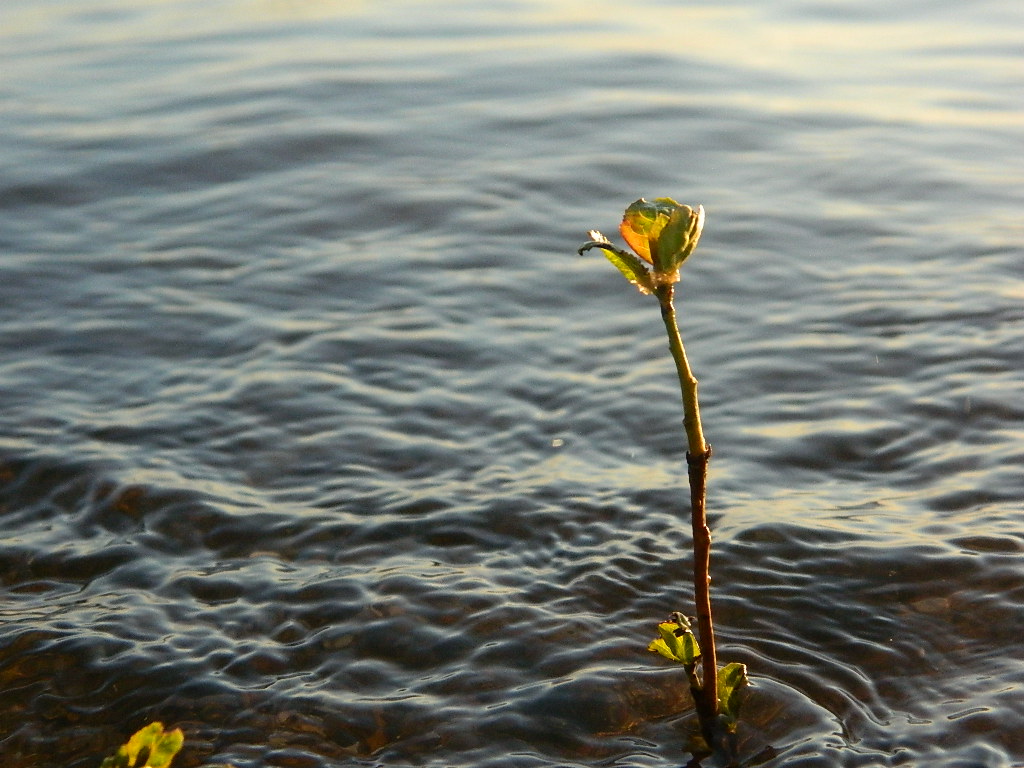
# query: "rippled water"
[319,442]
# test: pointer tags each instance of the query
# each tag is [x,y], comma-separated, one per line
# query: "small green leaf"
[676,643]
[149,747]
[658,646]
[166,748]
[732,679]
[679,237]
[629,265]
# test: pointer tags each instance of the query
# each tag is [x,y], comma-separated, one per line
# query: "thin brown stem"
[697,458]
[697,467]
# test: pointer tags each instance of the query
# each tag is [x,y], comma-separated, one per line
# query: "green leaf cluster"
[662,234]
[151,747]
[676,643]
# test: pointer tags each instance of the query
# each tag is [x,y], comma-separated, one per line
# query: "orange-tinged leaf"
[642,224]
[636,240]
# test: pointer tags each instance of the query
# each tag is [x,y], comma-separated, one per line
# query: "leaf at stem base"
[732,679]
[676,643]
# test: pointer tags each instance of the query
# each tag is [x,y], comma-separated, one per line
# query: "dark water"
[318,441]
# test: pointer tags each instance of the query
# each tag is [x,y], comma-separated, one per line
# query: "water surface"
[318,441]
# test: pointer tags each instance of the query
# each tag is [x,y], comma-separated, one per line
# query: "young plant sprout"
[150,747]
[663,234]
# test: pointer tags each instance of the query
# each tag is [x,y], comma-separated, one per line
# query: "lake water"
[318,440]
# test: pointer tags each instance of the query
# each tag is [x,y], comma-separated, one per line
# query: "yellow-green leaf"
[658,646]
[676,643]
[149,747]
[679,237]
[732,679]
[629,265]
